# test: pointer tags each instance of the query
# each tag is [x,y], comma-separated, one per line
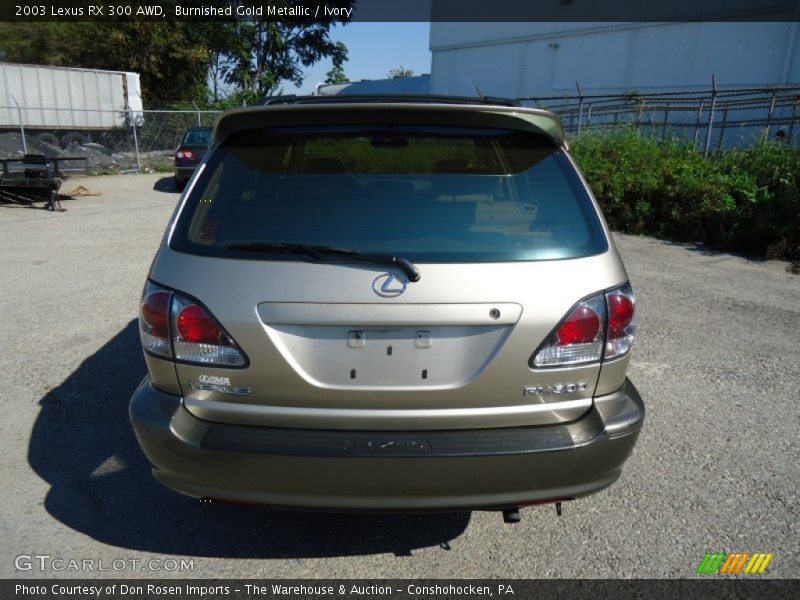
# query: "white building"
[547,59]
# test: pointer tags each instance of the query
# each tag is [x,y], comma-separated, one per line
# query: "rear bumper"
[184,172]
[386,471]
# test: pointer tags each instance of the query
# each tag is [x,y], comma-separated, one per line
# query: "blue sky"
[374,48]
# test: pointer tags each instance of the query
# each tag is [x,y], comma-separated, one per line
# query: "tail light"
[600,327]
[154,321]
[197,337]
[184,153]
[174,326]
[578,339]
[621,321]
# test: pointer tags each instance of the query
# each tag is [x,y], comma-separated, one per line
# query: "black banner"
[396,589]
[405,10]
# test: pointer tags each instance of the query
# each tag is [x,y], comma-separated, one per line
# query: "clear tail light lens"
[197,337]
[174,326]
[598,328]
[579,339]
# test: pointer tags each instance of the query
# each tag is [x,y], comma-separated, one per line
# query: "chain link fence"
[710,120]
[141,141]
[145,141]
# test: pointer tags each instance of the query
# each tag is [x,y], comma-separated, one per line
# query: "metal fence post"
[664,125]
[580,107]
[769,117]
[639,115]
[791,123]
[722,125]
[199,124]
[711,113]
[697,123]
[21,126]
[136,144]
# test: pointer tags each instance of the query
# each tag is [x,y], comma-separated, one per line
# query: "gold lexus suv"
[387,304]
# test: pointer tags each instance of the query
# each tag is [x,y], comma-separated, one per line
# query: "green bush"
[744,199]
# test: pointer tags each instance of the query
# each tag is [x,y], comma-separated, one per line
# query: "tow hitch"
[511,515]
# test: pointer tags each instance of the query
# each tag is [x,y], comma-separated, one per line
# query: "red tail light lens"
[195,325]
[621,321]
[620,314]
[581,327]
[154,320]
[155,313]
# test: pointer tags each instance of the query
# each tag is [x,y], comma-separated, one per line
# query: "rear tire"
[180,184]
[47,138]
[73,139]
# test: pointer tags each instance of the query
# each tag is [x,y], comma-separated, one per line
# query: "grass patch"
[163,168]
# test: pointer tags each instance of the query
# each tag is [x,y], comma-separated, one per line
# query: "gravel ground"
[716,467]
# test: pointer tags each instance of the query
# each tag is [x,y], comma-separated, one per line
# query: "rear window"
[426,194]
[197,138]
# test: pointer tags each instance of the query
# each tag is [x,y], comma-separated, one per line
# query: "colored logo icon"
[734,563]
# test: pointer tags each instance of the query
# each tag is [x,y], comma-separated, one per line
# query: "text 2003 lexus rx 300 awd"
[409,304]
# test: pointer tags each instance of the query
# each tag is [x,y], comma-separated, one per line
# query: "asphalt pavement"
[716,468]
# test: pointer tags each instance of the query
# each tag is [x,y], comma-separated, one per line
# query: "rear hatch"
[304,239]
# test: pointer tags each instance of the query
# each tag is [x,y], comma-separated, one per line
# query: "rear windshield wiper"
[321,252]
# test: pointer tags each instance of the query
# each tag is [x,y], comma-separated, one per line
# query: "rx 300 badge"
[221,385]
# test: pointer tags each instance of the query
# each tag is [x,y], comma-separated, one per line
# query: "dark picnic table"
[38,176]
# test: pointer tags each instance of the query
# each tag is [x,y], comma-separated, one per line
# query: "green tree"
[32,43]
[270,52]
[336,74]
[400,73]
[220,39]
[170,57]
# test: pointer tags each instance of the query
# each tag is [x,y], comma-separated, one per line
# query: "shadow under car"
[83,445]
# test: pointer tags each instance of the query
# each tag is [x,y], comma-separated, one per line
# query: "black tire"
[47,138]
[49,150]
[73,139]
[114,140]
[180,184]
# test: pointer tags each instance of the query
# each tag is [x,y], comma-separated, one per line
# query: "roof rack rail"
[387,98]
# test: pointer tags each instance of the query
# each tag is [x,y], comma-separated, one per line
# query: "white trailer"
[67,102]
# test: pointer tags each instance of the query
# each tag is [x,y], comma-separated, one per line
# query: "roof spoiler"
[385,99]
[331,114]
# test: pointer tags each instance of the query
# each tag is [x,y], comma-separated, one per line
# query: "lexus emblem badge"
[389,285]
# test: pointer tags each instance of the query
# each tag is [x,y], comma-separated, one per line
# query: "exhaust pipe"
[511,515]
